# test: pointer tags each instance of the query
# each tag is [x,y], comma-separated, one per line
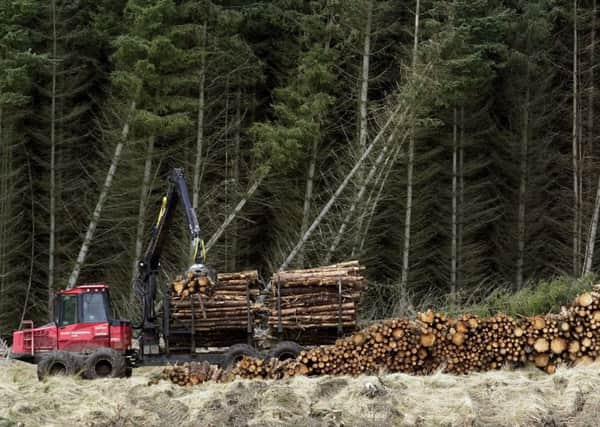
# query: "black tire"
[286,350]
[105,363]
[236,353]
[57,363]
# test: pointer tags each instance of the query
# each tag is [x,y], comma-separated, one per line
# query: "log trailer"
[84,337]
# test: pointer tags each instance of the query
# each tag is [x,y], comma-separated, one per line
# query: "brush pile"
[458,346]
[318,301]
[214,311]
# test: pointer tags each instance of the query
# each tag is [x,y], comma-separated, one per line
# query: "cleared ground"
[571,397]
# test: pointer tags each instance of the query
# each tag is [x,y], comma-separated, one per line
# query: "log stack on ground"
[213,311]
[191,373]
[460,346]
[316,301]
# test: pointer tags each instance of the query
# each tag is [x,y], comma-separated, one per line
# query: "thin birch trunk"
[523,185]
[200,125]
[139,239]
[575,149]
[52,208]
[325,210]
[593,232]
[359,196]
[410,167]
[89,235]
[454,244]
[236,210]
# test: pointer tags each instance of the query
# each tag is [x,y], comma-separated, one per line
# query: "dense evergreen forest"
[476,120]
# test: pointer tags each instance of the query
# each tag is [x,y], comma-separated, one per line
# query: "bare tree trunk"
[461,196]
[32,245]
[377,197]
[236,174]
[523,186]
[340,189]
[589,253]
[364,81]
[237,209]
[454,205]
[139,239]
[410,167]
[308,194]
[575,150]
[4,174]
[52,209]
[363,101]
[359,196]
[89,235]
[200,125]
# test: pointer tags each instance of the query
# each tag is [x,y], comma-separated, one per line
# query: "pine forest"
[450,146]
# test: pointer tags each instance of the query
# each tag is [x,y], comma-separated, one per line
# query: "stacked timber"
[455,345]
[215,312]
[319,300]
[191,373]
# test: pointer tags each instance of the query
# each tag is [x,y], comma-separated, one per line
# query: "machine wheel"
[286,350]
[105,363]
[236,353]
[57,363]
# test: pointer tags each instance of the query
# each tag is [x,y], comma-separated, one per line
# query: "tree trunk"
[359,196]
[236,174]
[523,186]
[52,208]
[454,205]
[410,167]
[340,189]
[589,253]
[363,102]
[4,174]
[461,196]
[575,149]
[139,239]
[89,235]
[200,125]
[375,202]
[308,194]
[237,209]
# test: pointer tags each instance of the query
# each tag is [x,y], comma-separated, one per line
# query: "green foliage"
[542,297]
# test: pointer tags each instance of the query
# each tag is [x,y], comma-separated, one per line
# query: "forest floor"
[526,397]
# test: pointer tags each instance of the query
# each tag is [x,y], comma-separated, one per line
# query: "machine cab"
[82,322]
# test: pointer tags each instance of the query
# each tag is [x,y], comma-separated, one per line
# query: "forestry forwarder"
[85,338]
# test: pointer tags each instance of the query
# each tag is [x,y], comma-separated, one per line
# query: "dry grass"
[501,398]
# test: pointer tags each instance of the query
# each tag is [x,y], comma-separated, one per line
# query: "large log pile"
[317,301]
[458,346]
[216,312]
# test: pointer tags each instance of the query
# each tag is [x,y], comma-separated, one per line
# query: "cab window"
[93,308]
[68,310]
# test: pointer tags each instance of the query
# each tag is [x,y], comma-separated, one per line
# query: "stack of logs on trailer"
[316,305]
[212,314]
